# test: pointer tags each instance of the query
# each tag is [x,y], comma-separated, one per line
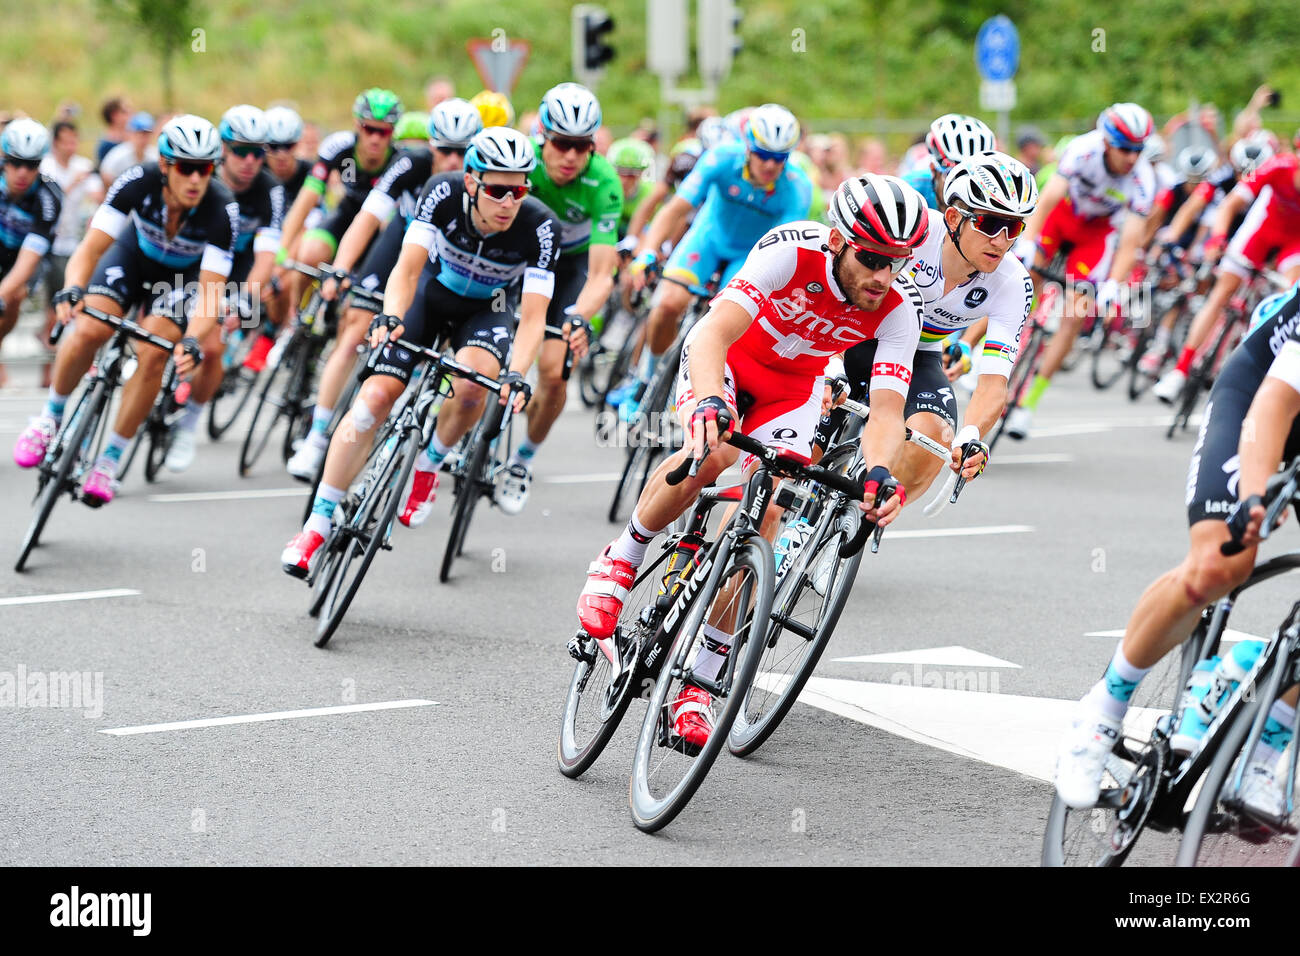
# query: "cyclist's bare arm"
[1130,239]
[307,200]
[353,244]
[725,323]
[1263,438]
[1188,213]
[666,223]
[602,263]
[402,280]
[82,264]
[531,331]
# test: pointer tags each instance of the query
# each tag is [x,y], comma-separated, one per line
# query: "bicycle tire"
[129,457]
[383,499]
[298,397]
[341,408]
[748,735]
[469,482]
[267,407]
[1021,376]
[578,747]
[643,454]
[160,443]
[237,386]
[1108,349]
[86,416]
[1247,842]
[650,812]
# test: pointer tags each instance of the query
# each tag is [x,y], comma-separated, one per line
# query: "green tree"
[166,24]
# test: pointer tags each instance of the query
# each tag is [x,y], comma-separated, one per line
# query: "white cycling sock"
[1111,694]
[430,459]
[632,543]
[322,511]
[713,654]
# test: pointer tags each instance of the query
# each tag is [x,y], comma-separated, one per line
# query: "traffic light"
[717,38]
[590,50]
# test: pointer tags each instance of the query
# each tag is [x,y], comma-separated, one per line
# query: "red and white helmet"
[955,138]
[1125,126]
[882,210]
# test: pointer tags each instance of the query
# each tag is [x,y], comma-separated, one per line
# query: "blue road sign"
[997,49]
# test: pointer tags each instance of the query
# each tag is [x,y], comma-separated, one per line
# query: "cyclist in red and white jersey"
[805,293]
[1271,227]
[1101,180]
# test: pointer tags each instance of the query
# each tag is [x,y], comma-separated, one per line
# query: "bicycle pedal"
[577,648]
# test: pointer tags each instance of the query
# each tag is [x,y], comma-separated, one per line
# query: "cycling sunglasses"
[188,168]
[22,163]
[451,150]
[768,156]
[876,261]
[281,147]
[499,191]
[990,224]
[566,145]
[384,132]
[244,150]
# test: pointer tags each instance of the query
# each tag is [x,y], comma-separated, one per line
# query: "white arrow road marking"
[234,495]
[258,718]
[954,656]
[68,596]
[1005,730]
[584,479]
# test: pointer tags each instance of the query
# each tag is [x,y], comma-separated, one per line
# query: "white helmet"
[284,126]
[772,128]
[25,139]
[1247,155]
[882,210]
[1196,162]
[992,182]
[1154,149]
[712,131]
[189,137]
[454,122]
[500,149]
[244,124]
[570,109]
[955,137]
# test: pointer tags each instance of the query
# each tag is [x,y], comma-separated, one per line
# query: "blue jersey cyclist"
[741,190]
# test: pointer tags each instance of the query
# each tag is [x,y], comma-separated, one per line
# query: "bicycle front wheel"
[1113,346]
[807,606]
[368,533]
[270,406]
[667,770]
[469,486]
[237,386]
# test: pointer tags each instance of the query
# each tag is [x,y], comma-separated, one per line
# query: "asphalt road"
[1085,514]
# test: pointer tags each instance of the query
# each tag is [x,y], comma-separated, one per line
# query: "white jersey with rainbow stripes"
[1003,295]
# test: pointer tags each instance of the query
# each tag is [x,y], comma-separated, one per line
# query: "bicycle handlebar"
[1278,493]
[118,322]
[777,464]
[445,364]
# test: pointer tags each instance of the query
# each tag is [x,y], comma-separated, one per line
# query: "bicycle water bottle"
[1228,675]
[681,564]
[791,542]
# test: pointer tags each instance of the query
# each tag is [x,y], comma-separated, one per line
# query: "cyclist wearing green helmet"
[633,160]
[360,157]
[412,132]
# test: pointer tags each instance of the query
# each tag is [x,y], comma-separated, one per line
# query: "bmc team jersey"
[1003,295]
[801,318]
[134,210]
[473,265]
[28,221]
[588,208]
[734,212]
[1094,192]
[399,188]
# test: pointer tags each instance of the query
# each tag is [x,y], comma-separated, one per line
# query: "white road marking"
[68,596]
[891,535]
[1081,428]
[1046,459]
[1005,730]
[1104,425]
[258,718]
[584,479]
[234,495]
[1229,635]
[953,656]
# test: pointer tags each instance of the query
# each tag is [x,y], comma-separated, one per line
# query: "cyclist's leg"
[548,400]
[693,261]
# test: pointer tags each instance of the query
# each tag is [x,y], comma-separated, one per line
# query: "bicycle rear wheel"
[807,606]
[1113,347]
[1022,373]
[298,404]
[341,407]
[470,479]
[237,386]
[598,698]
[54,481]
[367,533]
[271,405]
[666,772]
[160,442]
